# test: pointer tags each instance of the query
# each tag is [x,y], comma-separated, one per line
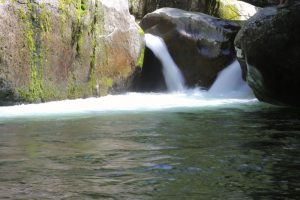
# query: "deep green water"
[245,152]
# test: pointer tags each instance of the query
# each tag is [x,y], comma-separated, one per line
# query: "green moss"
[21,14]
[44,20]
[35,87]
[80,10]
[108,82]
[62,7]
[29,6]
[74,90]
[42,5]
[140,61]
[35,22]
[35,92]
[105,84]
[140,30]
[92,83]
[96,87]
[81,6]
[50,93]
[77,10]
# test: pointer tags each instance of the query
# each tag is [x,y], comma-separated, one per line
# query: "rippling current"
[233,149]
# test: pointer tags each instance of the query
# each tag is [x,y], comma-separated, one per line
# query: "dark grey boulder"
[268,48]
[201,45]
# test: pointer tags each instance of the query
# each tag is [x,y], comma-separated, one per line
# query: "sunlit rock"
[58,49]
[235,10]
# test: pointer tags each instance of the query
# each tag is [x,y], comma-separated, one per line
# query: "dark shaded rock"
[268,47]
[7,95]
[151,78]
[201,45]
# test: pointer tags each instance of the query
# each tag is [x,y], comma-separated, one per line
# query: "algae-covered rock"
[58,49]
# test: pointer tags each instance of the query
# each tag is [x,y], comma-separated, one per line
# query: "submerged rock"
[268,48]
[62,49]
[201,45]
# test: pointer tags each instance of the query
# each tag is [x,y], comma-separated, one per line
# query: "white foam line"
[126,102]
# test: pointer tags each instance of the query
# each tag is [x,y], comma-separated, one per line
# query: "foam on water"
[120,103]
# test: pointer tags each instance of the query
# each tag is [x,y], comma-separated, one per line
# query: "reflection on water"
[250,152]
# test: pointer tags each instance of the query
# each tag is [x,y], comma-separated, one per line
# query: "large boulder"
[201,45]
[268,47]
[58,49]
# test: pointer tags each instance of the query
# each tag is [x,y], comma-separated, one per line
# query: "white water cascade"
[173,77]
[230,84]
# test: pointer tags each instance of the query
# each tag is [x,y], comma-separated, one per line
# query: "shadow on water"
[278,138]
[240,154]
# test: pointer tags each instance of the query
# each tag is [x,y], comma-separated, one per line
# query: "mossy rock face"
[60,49]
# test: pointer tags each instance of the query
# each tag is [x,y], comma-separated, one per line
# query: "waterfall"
[228,89]
[230,83]
[173,77]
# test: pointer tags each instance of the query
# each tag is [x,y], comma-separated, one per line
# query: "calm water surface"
[243,152]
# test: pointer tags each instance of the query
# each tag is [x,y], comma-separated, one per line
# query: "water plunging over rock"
[201,45]
[173,77]
[230,83]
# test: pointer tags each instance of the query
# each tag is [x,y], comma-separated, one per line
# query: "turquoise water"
[245,150]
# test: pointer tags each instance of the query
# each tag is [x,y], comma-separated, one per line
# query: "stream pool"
[244,150]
